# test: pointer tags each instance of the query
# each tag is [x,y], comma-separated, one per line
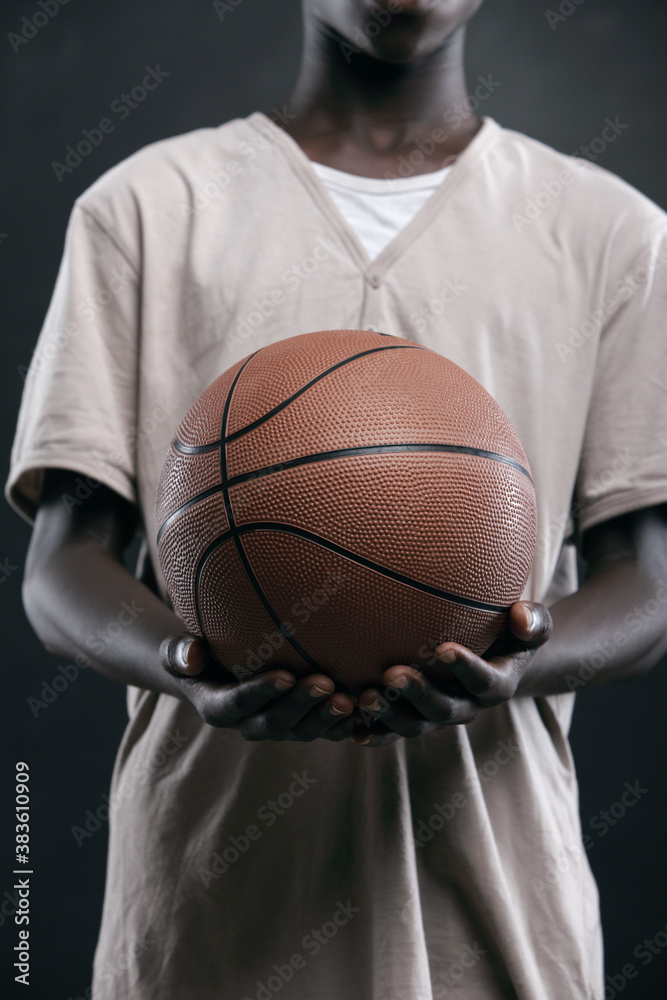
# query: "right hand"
[270,706]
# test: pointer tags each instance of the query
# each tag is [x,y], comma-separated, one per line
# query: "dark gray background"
[605,59]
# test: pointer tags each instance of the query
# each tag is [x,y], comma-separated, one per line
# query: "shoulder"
[167,174]
[571,190]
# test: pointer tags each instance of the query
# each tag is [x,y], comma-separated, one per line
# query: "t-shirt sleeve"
[624,456]
[78,409]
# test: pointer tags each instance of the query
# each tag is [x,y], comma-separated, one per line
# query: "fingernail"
[337,711]
[362,741]
[179,655]
[533,621]
[447,656]
[283,685]
[182,660]
[400,683]
[375,706]
[317,692]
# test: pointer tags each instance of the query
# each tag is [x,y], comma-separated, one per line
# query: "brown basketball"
[340,502]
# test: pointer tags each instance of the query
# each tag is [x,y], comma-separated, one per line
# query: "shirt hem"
[626,504]
[24,497]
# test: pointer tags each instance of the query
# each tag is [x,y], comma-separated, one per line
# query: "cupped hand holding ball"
[277,706]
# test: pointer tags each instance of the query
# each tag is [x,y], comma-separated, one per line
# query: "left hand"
[412,704]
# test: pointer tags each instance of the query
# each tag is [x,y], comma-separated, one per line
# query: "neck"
[356,113]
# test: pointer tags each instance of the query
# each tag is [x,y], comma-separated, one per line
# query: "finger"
[183,654]
[331,719]
[492,681]
[343,730]
[278,719]
[529,626]
[420,704]
[392,713]
[226,705]
[377,736]
[530,622]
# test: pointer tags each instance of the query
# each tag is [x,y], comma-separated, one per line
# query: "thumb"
[183,654]
[530,622]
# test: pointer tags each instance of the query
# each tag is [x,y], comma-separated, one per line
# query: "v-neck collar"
[373,269]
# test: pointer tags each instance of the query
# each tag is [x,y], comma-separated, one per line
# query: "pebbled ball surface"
[283,548]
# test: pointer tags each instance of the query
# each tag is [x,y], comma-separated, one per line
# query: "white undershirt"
[375,208]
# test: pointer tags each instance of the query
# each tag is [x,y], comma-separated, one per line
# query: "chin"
[415,31]
[398,56]
[404,45]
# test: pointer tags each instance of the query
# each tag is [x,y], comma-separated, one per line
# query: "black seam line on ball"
[309,536]
[215,544]
[282,627]
[223,482]
[318,378]
[201,449]
[186,506]
[219,487]
[376,449]
[233,535]
[322,456]
[223,441]
[245,562]
[325,456]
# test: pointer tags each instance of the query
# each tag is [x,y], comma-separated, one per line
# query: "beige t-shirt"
[449,866]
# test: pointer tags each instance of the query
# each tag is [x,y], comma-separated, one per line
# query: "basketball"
[340,502]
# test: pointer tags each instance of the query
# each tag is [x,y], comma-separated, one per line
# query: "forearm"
[86,603]
[613,628]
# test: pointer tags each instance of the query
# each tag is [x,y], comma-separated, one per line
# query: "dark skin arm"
[75,586]
[75,583]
